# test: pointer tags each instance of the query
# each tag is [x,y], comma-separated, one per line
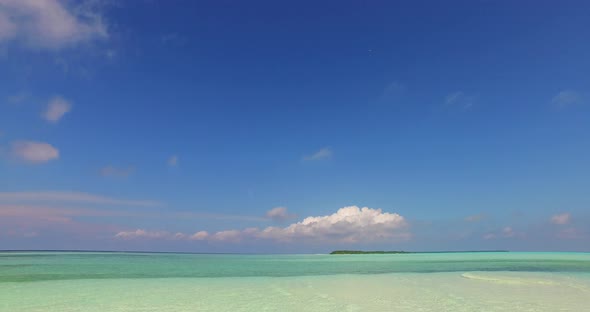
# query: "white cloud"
[489,236]
[460,99]
[173,161]
[561,219]
[506,232]
[110,171]
[56,109]
[78,197]
[279,214]
[324,153]
[567,98]
[34,152]
[347,225]
[50,24]
[201,235]
[228,236]
[143,234]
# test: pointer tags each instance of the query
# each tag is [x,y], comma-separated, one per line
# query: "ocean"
[104,281]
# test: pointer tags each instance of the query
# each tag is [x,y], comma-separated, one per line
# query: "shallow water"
[183,282]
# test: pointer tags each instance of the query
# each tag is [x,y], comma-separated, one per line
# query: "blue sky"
[136,125]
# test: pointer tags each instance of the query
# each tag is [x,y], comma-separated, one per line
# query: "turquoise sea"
[70,281]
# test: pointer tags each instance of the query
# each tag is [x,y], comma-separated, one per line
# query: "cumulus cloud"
[566,98]
[561,219]
[111,171]
[56,109]
[50,24]
[347,225]
[34,152]
[173,161]
[459,99]
[201,235]
[324,153]
[279,214]
[65,197]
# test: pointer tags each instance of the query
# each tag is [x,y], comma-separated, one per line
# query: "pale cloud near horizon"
[279,214]
[323,153]
[561,219]
[34,152]
[566,98]
[57,107]
[73,197]
[347,225]
[506,232]
[142,233]
[111,171]
[50,24]
[201,235]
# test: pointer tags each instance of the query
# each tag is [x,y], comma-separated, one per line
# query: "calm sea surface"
[60,281]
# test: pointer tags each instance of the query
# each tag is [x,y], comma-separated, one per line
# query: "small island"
[359,252]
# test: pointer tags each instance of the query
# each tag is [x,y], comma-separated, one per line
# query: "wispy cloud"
[173,38]
[566,98]
[279,214]
[460,100]
[57,107]
[173,161]
[18,98]
[392,93]
[50,24]
[34,152]
[111,171]
[475,218]
[322,154]
[73,197]
[571,233]
[347,225]
[506,232]
[143,234]
[23,220]
[561,219]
